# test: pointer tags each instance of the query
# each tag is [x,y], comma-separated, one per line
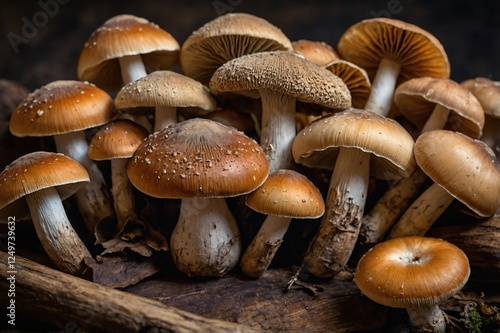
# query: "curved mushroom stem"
[277,129]
[336,237]
[93,200]
[132,68]
[383,86]
[122,191]
[164,116]
[437,119]
[57,236]
[427,319]
[261,251]
[424,211]
[206,240]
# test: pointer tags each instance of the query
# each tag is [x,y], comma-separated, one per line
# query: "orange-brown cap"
[318,52]
[355,78]
[61,107]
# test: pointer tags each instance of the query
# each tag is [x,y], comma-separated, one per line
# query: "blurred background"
[467,29]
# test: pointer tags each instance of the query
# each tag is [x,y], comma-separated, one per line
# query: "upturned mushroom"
[34,185]
[63,109]
[201,162]
[415,273]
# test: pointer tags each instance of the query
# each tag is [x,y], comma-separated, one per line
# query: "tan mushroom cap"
[487,92]
[227,37]
[466,168]
[412,271]
[355,78]
[287,193]
[416,99]
[117,139]
[368,42]
[166,88]
[125,35]
[391,146]
[283,72]
[61,107]
[318,52]
[36,171]
[198,158]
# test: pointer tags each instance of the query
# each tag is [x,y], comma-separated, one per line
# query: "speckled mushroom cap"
[36,171]
[416,99]
[318,52]
[166,88]
[412,271]
[227,37]
[125,35]
[391,146]
[61,107]
[285,73]
[466,168]
[287,193]
[117,139]
[420,54]
[198,158]
[355,78]
[487,92]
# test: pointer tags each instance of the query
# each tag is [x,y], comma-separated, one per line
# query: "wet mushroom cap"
[464,167]
[355,78]
[198,158]
[487,92]
[287,193]
[318,52]
[412,271]
[36,171]
[227,37]
[368,42]
[60,107]
[125,35]
[391,146]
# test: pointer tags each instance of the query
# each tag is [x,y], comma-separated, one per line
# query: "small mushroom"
[355,78]
[318,52]
[415,273]
[34,186]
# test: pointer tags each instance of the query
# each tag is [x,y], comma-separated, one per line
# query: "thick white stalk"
[57,236]
[383,86]
[437,120]
[164,116]
[277,129]
[122,192]
[338,232]
[261,251]
[132,68]
[206,240]
[93,200]
[427,319]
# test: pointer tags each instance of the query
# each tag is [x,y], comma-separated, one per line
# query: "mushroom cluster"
[240,116]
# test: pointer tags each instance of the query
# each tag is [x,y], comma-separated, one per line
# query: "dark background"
[467,29]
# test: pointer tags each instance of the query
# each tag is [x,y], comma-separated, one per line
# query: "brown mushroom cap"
[125,35]
[464,167]
[198,158]
[287,193]
[391,146]
[318,52]
[227,37]
[36,171]
[60,107]
[416,99]
[368,42]
[117,139]
[412,271]
[487,92]
[355,78]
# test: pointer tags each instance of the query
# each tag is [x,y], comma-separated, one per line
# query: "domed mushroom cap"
[287,193]
[227,37]
[412,271]
[487,92]
[198,158]
[391,146]
[419,52]
[318,52]
[464,167]
[36,171]
[416,99]
[283,72]
[125,35]
[355,78]
[60,107]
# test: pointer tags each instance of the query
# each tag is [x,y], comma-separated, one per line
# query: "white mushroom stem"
[132,68]
[164,116]
[261,251]
[427,319]
[93,200]
[422,214]
[383,86]
[277,129]
[206,239]
[336,237]
[57,236]
[122,192]
[437,119]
